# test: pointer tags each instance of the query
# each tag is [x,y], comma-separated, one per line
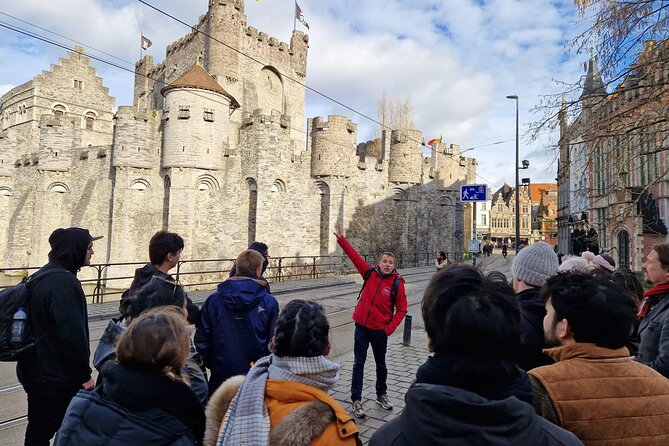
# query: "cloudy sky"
[456,60]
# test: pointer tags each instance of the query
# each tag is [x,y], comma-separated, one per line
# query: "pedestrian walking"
[57,367]
[144,398]
[283,400]
[471,391]
[237,321]
[441,261]
[380,309]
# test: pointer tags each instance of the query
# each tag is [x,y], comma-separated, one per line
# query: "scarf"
[439,370]
[247,421]
[651,298]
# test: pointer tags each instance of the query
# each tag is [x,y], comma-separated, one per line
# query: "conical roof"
[197,77]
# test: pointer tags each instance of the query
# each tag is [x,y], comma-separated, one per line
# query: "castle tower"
[406,157]
[197,123]
[55,143]
[136,138]
[226,23]
[333,146]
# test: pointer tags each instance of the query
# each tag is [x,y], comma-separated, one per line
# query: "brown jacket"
[300,415]
[603,396]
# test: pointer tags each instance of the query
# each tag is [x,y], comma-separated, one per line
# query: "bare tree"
[395,114]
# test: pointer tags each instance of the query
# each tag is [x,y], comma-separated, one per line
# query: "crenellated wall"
[406,157]
[333,145]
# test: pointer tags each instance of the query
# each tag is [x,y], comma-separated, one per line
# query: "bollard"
[406,341]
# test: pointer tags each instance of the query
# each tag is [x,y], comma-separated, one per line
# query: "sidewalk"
[402,363]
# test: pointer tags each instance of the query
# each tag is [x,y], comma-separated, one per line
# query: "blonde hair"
[157,342]
[249,261]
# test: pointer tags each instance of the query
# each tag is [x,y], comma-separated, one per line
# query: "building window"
[58,111]
[184,112]
[500,208]
[90,120]
[483,206]
[209,114]
[524,209]
[79,85]
[483,220]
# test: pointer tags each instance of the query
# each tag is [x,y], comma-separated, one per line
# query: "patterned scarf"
[247,422]
[651,298]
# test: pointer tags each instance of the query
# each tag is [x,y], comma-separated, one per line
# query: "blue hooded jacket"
[236,326]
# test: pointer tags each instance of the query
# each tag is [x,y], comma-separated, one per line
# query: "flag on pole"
[299,16]
[434,141]
[146,43]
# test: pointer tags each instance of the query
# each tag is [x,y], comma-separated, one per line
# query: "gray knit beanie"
[535,264]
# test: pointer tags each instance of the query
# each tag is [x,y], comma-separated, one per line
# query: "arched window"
[207,182]
[59,188]
[623,250]
[89,119]
[140,184]
[167,185]
[59,111]
[253,208]
[323,191]
[278,186]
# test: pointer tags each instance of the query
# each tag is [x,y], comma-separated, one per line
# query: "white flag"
[299,16]
[146,43]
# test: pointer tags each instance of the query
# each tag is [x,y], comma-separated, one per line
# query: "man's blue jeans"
[362,339]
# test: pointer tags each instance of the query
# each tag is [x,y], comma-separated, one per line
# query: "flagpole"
[295,17]
[140,45]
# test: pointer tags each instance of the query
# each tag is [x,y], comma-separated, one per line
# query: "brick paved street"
[402,363]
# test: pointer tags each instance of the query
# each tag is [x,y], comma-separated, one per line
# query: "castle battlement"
[258,117]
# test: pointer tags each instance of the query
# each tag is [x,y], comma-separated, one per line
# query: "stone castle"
[215,148]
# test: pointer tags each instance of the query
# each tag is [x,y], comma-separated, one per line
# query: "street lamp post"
[526,164]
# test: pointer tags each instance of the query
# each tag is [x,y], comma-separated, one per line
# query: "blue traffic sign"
[473,192]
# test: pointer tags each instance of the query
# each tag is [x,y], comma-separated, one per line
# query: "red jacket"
[374,309]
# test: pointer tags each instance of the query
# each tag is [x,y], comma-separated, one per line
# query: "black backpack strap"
[364,280]
[393,292]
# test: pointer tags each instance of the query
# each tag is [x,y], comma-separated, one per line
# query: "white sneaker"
[384,401]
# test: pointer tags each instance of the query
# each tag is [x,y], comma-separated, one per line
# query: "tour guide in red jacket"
[374,322]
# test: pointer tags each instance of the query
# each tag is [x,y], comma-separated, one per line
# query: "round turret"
[332,146]
[196,121]
[406,156]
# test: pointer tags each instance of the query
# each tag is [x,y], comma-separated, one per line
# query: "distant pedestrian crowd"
[566,354]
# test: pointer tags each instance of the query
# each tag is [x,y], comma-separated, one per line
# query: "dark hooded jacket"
[132,407]
[59,317]
[532,312]
[235,328]
[142,276]
[499,412]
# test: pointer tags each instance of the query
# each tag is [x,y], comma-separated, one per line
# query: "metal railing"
[105,280]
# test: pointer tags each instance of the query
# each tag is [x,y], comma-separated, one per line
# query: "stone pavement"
[402,363]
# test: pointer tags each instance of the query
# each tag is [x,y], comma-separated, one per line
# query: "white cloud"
[455,59]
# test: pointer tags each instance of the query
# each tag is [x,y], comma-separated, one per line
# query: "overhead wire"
[116,65]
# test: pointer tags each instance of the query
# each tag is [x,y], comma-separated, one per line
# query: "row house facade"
[503,215]
[613,192]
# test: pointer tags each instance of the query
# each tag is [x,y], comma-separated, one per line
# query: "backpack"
[11,299]
[393,290]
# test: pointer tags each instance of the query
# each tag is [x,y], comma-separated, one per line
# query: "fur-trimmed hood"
[316,415]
